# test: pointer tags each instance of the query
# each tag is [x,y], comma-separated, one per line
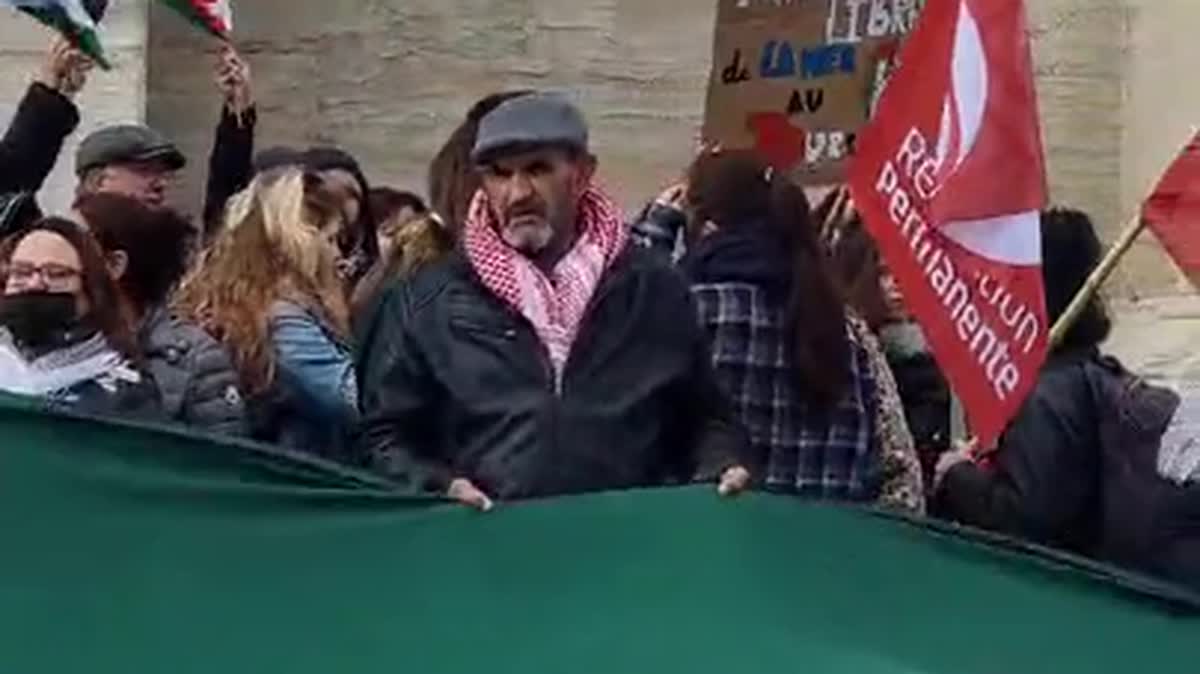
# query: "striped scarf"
[555,303]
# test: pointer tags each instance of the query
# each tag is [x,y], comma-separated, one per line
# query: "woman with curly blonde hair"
[269,290]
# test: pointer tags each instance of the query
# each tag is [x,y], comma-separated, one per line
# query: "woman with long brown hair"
[789,355]
[453,180]
[66,335]
[269,290]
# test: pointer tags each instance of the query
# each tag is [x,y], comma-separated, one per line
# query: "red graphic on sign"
[776,139]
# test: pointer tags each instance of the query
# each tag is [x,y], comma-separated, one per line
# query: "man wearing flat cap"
[546,356]
[128,159]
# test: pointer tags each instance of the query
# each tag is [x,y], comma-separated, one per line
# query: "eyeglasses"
[56,277]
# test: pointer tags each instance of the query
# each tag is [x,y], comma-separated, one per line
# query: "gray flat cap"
[536,119]
[126,143]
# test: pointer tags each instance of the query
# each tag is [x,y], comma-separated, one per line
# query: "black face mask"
[40,319]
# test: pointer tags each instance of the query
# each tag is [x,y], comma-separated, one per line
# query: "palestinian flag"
[136,549]
[214,16]
[71,18]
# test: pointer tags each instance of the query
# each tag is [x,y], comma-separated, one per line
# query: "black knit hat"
[335,159]
[277,156]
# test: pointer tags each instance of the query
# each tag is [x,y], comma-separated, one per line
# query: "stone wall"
[389,78]
[116,95]
[1080,70]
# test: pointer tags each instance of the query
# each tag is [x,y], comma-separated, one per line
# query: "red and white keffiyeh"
[554,304]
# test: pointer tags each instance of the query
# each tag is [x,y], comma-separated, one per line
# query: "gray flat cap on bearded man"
[124,143]
[530,121]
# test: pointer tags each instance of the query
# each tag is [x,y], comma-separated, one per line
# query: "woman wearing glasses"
[65,335]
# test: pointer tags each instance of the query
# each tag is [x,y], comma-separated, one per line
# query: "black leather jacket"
[458,385]
[34,138]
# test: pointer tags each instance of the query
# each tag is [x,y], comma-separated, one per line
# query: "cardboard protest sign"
[795,78]
[950,179]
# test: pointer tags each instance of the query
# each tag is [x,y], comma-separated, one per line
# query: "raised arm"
[44,119]
[230,164]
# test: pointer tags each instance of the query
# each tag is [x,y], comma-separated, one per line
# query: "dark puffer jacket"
[459,385]
[194,375]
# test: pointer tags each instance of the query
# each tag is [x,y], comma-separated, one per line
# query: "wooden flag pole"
[1097,279]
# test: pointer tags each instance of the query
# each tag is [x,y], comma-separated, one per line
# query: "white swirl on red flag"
[962,115]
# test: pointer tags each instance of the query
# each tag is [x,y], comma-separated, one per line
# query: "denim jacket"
[313,405]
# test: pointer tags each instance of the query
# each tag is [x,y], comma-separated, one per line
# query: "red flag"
[1173,211]
[950,179]
[214,16]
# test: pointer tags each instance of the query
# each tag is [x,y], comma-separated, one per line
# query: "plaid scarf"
[554,304]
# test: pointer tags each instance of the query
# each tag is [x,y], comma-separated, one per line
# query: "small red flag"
[950,179]
[214,16]
[1173,211]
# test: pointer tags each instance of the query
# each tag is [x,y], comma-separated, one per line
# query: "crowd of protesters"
[515,337]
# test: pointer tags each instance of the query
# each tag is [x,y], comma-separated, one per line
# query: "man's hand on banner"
[65,68]
[733,481]
[233,80]
[466,493]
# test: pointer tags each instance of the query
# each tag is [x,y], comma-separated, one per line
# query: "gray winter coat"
[194,374]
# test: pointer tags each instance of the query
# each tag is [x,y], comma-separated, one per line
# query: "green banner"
[131,550]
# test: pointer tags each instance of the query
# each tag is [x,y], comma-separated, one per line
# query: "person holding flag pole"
[44,118]
[230,166]
[1098,461]
[1041,480]
[950,179]
[214,17]
[47,116]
